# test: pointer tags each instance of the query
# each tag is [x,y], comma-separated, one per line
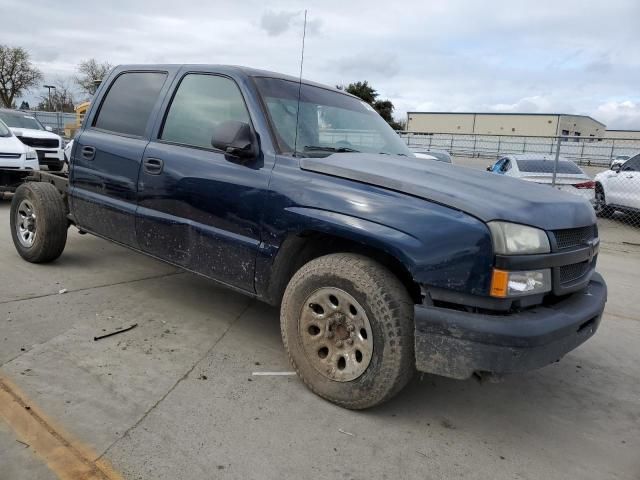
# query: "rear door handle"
[88,152]
[153,166]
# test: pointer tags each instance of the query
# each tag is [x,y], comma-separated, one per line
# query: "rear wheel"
[347,325]
[600,206]
[38,222]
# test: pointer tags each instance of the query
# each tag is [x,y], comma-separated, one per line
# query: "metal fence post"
[499,140]
[555,164]
[613,147]
[524,145]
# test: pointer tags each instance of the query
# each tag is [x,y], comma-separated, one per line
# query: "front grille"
[40,142]
[575,237]
[569,273]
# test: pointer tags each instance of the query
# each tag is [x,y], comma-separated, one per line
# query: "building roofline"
[513,113]
[622,130]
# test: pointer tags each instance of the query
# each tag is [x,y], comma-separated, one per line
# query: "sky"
[505,56]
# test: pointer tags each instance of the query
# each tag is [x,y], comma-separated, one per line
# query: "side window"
[129,101]
[497,167]
[506,166]
[632,165]
[202,102]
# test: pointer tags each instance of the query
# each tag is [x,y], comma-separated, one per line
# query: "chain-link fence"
[56,120]
[607,172]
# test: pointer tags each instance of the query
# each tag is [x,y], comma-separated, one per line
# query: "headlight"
[515,239]
[515,284]
[32,155]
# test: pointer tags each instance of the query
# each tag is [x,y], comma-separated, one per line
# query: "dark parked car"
[300,195]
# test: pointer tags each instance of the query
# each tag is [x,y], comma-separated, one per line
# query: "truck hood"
[32,133]
[12,146]
[484,195]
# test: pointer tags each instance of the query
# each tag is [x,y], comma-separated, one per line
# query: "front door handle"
[88,152]
[153,166]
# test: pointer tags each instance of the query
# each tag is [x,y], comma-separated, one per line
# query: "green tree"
[369,94]
[363,90]
[17,74]
[91,74]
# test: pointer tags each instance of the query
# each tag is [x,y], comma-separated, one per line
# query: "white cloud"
[450,56]
[623,115]
[275,23]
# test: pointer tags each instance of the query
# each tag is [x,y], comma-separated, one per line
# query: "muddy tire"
[601,207]
[38,222]
[347,325]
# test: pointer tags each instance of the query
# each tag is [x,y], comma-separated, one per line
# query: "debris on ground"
[64,290]
[346,433]
[119,330]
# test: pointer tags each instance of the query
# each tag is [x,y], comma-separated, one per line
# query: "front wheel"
[600,206]
[38,222]
[347,325]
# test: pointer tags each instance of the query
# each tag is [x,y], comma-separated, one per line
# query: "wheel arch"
[335,234]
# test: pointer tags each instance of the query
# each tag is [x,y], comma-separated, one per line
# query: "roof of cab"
[237,69]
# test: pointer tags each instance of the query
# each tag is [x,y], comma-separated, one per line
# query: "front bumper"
[457,344]
[50,156]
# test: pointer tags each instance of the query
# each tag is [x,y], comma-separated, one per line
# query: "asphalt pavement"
[176,397]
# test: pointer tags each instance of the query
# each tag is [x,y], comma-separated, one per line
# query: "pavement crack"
[124,282]
[185,376]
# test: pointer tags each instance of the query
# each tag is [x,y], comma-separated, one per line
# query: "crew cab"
[302,196]
[48,145]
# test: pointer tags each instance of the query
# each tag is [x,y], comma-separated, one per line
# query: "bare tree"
[17,74]
[91,74]
[61,99]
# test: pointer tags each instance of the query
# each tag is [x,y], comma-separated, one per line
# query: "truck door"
[197,206]
[107,157]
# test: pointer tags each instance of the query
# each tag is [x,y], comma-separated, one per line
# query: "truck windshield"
[329,122]
[20,120]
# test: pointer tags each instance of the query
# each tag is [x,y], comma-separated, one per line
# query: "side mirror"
[235,138]
[48,128]
[489,168]
[616,167]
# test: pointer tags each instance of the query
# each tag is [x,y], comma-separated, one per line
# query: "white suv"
[619,189]
[14,153]
[30,131]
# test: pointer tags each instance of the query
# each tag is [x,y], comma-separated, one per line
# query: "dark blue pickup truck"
[302,196]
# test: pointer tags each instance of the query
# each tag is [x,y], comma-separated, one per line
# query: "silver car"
[539,169]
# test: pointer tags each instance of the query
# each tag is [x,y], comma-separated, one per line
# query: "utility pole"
[49,87]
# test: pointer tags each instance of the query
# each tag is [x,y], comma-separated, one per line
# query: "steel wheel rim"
[26,224]
[336,335]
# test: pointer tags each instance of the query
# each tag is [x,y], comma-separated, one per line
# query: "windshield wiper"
[318,148]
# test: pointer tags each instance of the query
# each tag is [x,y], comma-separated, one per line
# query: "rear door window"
[129,102]
[201,102]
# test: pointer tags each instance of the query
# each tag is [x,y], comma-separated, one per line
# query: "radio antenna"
[304,34]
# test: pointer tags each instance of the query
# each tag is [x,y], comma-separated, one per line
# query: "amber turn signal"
[499,283]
